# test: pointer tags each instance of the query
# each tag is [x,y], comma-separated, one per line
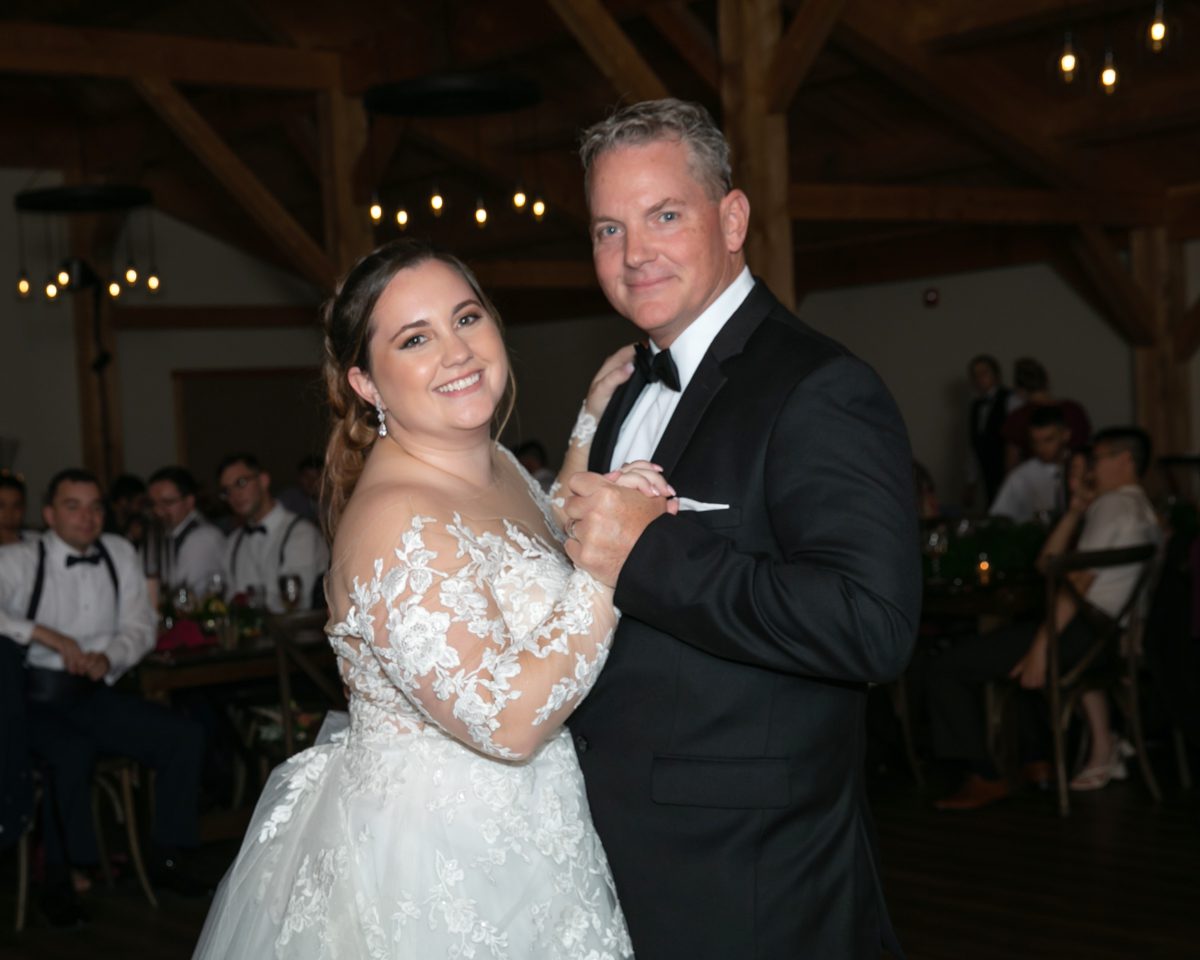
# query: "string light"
[519,199]
[152,281]
[402,218]
[131,274]
[1109,76]
[51,289]
[481,213]
[1156,33]
[539,208]
[64,278]
[376,211]
[23,285]
[437,202]
[114,288]
[1067,61]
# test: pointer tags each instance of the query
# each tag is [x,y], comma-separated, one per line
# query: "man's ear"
[47,516]
[735,219]
[361,383]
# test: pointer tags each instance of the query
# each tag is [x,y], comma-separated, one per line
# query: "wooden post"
[1161,378]
[749,35]
[343,126]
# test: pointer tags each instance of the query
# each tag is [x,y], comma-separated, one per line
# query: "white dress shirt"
[1119,518]
[252,560]
[1030,488]
[647,421]
[78,601]
[198,557]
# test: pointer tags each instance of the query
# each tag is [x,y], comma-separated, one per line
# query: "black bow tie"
[92,558]
[257,528]
[657,368]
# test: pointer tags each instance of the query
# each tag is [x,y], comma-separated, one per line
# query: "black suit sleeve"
[840,598]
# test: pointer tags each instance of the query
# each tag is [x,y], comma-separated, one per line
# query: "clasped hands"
[76,661]
[607,513]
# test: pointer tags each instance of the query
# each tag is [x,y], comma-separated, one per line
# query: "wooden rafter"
[161,317]
[684,31]
[1187,332]
[969,24]
[798,49]
[536,274]
[343,135]
[1127,306]
[60,51]
[238,179]
[598,32]
[863,202]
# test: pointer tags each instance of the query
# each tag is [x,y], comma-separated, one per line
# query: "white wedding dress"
[423,830]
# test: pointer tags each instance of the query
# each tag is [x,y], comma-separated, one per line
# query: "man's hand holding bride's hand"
[606,516]
[613,372]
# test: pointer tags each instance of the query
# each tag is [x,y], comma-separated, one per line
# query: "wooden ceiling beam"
[959,25]
[237,178]
[861,202]
[1128,311]
[535,274]
[1187,333]
[690,38]
[164,317]
[798,50]
[601,36]
[43,50]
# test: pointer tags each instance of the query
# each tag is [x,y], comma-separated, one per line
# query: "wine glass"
[289,590]
[182,599]
[937,544]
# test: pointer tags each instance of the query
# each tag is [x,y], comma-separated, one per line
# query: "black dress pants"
[67,736]
[955,690]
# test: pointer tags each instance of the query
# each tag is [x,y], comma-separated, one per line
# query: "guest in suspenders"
[196,547]
[76,598]
[271,541]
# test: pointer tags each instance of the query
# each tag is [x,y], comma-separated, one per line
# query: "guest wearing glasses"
[76,599]
[196,548]
[272,540]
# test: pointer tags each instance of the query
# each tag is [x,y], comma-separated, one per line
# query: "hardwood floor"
[1120,878]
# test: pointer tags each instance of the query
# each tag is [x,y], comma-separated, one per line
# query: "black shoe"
[61,908]
[168,874]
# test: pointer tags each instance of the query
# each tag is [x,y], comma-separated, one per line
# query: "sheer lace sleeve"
[494,636]
[575,460]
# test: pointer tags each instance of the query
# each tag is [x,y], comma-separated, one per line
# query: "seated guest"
[196,548]
[1037,485]
[1033,385]
[1108,511]
[126,509]
[272,540]
[76,599]
[532,456]
[991,404]
[12,508]
[303,497]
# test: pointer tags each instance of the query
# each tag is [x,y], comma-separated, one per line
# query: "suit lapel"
[609,427]
[709,378]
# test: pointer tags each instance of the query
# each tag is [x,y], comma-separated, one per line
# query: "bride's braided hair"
[347,319]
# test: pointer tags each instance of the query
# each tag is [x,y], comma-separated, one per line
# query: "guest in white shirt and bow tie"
[195,547]
[1037,487]
[271,542]
[76,597]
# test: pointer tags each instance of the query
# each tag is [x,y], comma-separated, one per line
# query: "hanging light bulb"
[114,288]
[1156,33]
[23,285]
[131,273]
[375,210]
[481,213]
[520,198]
[152,282]
[1108,75]
[437,202]
[51,289]
[539,208]
[402,218]
[1067,61]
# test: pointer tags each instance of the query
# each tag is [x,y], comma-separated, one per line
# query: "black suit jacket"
[722,745]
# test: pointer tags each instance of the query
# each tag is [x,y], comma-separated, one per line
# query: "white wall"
[922,353]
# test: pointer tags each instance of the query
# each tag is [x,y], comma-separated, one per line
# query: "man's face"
[1049,442]
[1111,468]
[76,514]
[169,505]
[310,482]
[983,377]
[246,490]
[12,510]
[663,248]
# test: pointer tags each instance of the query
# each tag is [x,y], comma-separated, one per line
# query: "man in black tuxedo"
[723,743]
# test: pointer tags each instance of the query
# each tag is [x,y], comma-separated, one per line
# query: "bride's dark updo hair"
[348,320]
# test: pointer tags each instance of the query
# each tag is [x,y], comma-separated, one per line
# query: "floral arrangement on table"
[213,620]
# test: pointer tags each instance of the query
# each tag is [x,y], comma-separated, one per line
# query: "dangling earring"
[379,411]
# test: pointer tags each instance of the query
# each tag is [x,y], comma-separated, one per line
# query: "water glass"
[289,590]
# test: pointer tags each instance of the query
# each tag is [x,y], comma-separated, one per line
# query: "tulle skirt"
[418,847]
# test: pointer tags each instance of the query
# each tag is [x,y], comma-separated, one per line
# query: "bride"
[449,819]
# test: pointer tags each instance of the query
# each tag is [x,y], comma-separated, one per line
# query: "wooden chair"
[23,868]
[116,778]
[290,631]
[1111,662]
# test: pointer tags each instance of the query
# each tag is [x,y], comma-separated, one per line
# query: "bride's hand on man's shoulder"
[613,372]
[648,479]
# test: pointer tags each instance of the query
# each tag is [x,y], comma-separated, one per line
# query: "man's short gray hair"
[653,120]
